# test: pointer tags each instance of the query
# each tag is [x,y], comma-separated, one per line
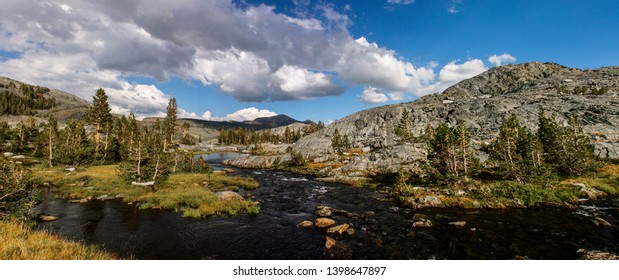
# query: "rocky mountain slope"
[67,105]
[482,103]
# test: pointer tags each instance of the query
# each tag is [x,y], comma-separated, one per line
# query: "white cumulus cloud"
[250,52]
[499,60]
[373,95]
[247,114]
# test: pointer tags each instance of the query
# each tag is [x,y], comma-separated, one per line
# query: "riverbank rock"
[601,222]
[590,193]
[83,200]
[8,154]
[70,169]
[458,224]
[305,224]
[338,229]
[228,195]
[324,222]
[595,255]
[47,218]
[428,201]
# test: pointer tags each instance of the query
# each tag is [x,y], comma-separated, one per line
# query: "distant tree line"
[244,136]
[26,102]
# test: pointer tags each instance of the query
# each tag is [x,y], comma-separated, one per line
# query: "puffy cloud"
[453,10]
[247,114]
[373,95]
[452,73]
[250,52]
[498,60]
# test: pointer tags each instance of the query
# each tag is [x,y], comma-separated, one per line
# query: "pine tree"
[404,127]
[99,115]
[566,148]
[169,123]
[518,153]
[450,154]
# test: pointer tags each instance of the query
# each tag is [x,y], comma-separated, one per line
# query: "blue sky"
[318,60]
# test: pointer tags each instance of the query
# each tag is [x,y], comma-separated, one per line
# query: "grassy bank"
[18,242]
[501,194]
[189,193]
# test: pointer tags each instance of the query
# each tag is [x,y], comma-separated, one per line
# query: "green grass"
[500,194]
[18,242]
[189,193]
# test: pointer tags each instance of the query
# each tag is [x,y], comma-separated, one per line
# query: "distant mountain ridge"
[67,105]
[256,124]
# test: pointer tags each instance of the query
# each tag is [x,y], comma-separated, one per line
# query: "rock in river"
[338,229]
[324,212]
[424,223]
[305,224]
[324,222]
[458,224]
[336,249]
[47,218]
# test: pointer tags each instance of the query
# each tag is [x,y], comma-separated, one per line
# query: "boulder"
[83,200]
[424,202]
[423,223]
[420,217]
[228,195]
[595,255]
[18,157]
[458,224]
[102,197]
[47,218]
[350,231]
[330,243]
[336,249]
[305,224]
[590,193]
[338,229]
[324,223]
[324,212]
[600,222]
[8,154]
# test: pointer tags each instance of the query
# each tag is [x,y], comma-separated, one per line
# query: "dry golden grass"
[17,242]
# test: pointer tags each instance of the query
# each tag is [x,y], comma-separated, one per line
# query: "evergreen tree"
[146,159]
[450,154]
[169,123]
[404,127]
[99,115]
[566,148]
[518,153]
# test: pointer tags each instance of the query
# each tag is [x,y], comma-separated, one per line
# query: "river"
[382,229]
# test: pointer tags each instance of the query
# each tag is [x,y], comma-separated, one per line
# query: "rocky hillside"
[482,103]
[66,105]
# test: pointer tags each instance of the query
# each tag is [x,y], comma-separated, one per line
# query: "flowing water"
[382,229]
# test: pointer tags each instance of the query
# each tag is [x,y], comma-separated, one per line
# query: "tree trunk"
[51,146]
[97,138]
